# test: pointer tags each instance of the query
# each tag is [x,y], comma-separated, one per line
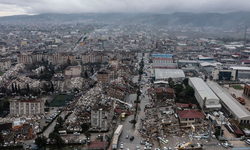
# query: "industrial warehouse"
[231,105]
[204,95]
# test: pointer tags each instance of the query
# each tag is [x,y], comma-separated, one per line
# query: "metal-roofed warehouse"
[204,95]
[231,105]
[161,74]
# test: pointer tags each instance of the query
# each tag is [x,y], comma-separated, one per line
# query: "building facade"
[190,117]
[26,107]
[103,76]
[101,117]
[204,95]
[5,64]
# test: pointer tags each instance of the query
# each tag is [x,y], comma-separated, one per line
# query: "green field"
[60,100]
[237,87]
[1,73]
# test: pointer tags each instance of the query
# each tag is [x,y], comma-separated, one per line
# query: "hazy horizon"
[35,7]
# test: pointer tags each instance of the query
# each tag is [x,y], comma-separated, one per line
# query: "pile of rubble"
[22,81]
[14,71]
[76,82]
[81,113]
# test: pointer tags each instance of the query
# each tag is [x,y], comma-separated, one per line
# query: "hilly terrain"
[226,20]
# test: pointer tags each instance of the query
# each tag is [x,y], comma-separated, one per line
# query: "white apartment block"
[26,107]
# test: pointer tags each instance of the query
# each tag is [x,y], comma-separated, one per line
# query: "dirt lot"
[239,93]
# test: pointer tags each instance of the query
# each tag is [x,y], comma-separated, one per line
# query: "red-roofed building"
[190,117]
[246,61]
[182,105]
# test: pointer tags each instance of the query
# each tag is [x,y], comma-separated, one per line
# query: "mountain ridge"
[231,19]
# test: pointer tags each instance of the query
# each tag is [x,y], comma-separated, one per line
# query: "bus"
[116,136]
[64,132]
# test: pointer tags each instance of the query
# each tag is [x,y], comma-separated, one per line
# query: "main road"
[128,128]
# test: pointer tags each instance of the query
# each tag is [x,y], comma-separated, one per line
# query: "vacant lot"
[61,100]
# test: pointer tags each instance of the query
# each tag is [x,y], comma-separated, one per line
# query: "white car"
[147,148]
[137,147]
[76,133]
[121,146]
[213,136]
[148,144]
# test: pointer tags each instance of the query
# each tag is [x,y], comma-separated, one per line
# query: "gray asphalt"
[52,125]
[128,128]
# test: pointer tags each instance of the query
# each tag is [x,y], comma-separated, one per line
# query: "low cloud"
[8,7]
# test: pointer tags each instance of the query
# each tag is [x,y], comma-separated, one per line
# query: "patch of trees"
[4,107]
[25,91]
[184,93]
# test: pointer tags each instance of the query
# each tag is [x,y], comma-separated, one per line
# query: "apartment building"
[87,58]
[103,76]
[5,64]
[114,62]
[26,107]
[101,116]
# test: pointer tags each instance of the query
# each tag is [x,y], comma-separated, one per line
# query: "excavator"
[239,99]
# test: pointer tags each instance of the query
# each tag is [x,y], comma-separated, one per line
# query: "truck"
[116,136]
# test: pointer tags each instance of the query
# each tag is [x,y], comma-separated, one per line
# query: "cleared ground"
[61,100]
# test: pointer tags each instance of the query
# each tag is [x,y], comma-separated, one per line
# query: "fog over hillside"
[223,20]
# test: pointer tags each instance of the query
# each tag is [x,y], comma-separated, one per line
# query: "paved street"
[51,127]
[128,127]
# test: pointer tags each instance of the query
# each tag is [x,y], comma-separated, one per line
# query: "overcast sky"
[18,7]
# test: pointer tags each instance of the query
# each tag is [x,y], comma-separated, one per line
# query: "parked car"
[66,141]
[127,136]
[5,144]
[28,146]
[247,141]
[224,145]
[88,140]
[169,148]
[121,146]
[230,144]
[131,138]
[84,141]
[213,136]
[142,142]
[164,148]
[148,144]
[147,148]
[137,147]
[76,133]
